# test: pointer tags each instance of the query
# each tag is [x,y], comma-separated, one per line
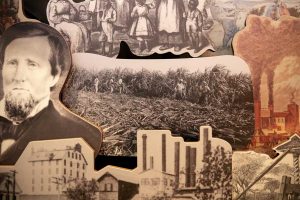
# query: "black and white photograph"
[124,96]
[150,26]
[31,79]
[257,176]
[52,169]
[98,26]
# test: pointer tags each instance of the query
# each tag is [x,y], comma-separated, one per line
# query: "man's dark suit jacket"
[47,125]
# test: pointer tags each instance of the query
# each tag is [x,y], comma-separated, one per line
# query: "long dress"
[169,21]
[123,8]
[169,15]
[141,26]
[61,14]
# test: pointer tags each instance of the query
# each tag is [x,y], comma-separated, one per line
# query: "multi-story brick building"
[51,172]
[275,126]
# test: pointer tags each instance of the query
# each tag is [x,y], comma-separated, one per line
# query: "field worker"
[111,84]
[96,84]
[120,85]
[180,89]
[205,91]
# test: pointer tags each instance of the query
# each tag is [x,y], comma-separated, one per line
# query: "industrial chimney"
[144,152]
[187,166]
[205,140]
[177,160]
[164,152]
[151,162]
[193,155]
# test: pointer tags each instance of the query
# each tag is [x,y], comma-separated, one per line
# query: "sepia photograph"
[169,168]
[201,170]
[51,169]
[275,78]
[31,81]
[124,96]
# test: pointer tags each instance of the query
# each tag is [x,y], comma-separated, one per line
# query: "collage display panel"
[150,109]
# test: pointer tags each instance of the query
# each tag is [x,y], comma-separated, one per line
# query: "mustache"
[19,106]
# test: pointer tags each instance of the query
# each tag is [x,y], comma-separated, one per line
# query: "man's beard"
[19,106]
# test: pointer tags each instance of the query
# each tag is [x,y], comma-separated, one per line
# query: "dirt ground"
[121,115]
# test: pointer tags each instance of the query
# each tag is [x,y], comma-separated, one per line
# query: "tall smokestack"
[205,140]
[270,74]
[193,155]
[163,151]
[151,162]
[177,160]
[144,152]
[256,81]
[187,166]
[292,123]
[257,111]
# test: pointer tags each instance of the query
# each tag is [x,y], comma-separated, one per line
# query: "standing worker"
[96,84]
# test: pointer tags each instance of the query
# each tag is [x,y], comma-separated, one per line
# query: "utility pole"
[57,182]
[14,184]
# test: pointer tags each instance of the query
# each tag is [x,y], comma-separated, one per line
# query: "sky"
[94,63]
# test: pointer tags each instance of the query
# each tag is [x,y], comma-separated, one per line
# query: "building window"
[49,188]
[83,166]
[65,162]
[42,180]
[71,164]
[57,170]
[172,183]
[42,171]
[65,180]
[42,163]
[33,181]
[77,175]
[108,187]
[57,187]
[165,181]
[76,156]
[32,171]
[32,164]
[72,155]
[68,154]
[155,181]
[32,188]
[57,162]
[65,171]
[83,175]
[77,165]
[145,181]
[42,188]
[79,157]
[70,172]
[49,180]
